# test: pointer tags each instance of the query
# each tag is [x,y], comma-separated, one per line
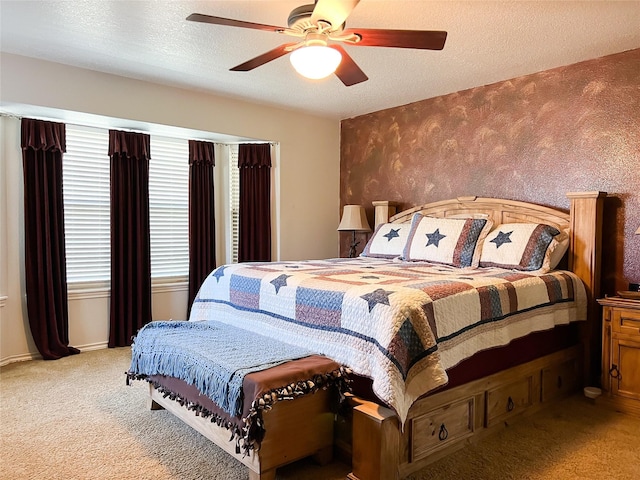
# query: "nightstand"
[621,353]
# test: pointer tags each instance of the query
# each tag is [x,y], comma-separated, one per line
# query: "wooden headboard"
[498,210]
[584,222]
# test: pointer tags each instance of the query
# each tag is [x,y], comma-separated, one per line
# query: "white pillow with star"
[523,246]
[388,240]
[451,241]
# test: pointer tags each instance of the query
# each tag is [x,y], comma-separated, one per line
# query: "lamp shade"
[354,219]
[638,231]
[315,61]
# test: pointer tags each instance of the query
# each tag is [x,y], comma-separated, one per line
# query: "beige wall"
[307,178]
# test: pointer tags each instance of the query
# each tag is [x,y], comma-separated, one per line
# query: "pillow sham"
[388,240]
[557,249]
[523,246]
[451,241]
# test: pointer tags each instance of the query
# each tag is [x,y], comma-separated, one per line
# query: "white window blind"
[85,183]
[169,208]
[234,202]
[86,188]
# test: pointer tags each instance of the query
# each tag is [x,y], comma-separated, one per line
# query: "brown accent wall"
[531,138]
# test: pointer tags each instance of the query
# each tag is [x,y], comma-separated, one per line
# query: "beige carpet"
[75,419]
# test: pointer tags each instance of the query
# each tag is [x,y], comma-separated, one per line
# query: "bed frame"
[438,424]
[444,422]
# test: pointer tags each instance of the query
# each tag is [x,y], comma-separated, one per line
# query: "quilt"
[402,324]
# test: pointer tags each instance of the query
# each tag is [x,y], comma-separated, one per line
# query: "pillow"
[388,240]
[557,249]
[452,241]
[523,246]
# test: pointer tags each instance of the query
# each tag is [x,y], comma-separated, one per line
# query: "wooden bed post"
[584,261]
[376,442]
[383,210]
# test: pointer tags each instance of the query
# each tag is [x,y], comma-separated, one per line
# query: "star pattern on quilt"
[434,238]
[393,233]
[280,281]
[219,273]
[406,345]
[376,297]
[502,238]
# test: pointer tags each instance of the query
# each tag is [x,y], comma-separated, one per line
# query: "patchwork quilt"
[402,324]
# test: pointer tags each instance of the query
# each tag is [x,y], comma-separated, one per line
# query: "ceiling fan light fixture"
[315,61]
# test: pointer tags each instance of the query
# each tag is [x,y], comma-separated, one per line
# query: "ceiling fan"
[322,28]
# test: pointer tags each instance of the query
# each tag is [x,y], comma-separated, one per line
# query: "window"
[234,203]
[86,188]
[169,207]
[85,183]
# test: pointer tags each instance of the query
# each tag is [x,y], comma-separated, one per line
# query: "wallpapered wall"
[531,138]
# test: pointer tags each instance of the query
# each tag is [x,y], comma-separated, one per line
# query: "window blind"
[234,202]
[85,183]
[169,207]
[86,190]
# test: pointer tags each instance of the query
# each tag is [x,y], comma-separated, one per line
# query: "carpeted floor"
[75,419]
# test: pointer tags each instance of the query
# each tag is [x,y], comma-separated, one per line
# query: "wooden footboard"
[294,429]
[445,422]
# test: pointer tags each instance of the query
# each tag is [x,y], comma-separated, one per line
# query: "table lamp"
[354,219]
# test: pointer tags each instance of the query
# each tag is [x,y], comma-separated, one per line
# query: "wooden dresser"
[621,353]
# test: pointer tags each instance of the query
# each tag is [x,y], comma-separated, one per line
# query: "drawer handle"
[443,434]
[510,405]
[614,372]
[559,381]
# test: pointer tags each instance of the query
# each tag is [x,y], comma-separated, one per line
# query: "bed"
[340,308]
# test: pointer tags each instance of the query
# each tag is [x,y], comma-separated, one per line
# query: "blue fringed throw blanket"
[212,356]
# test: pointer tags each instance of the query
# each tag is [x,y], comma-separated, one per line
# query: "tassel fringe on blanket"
[249,436]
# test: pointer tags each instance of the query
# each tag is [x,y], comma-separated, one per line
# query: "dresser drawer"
[625,321]
[559,380]
[436,429]
[508,400]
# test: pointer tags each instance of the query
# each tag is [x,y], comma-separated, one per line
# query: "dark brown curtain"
[43,144]
[202,242]
[130,238]
[254,161]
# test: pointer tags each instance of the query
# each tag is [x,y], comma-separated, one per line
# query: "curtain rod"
[257,142]
[127,129]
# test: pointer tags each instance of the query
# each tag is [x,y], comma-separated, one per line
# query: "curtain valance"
[130,144]
[201,152]
[251,155]
[42,135]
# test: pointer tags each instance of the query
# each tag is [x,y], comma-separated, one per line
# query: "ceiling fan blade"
[333,11]
[264,58]
[423,39]
[348,72]
[199,17]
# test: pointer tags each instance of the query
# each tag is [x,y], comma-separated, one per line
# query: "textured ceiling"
[487,42]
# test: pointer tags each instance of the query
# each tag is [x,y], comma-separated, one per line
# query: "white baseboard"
[23,357]
[36,356]
[92,346]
